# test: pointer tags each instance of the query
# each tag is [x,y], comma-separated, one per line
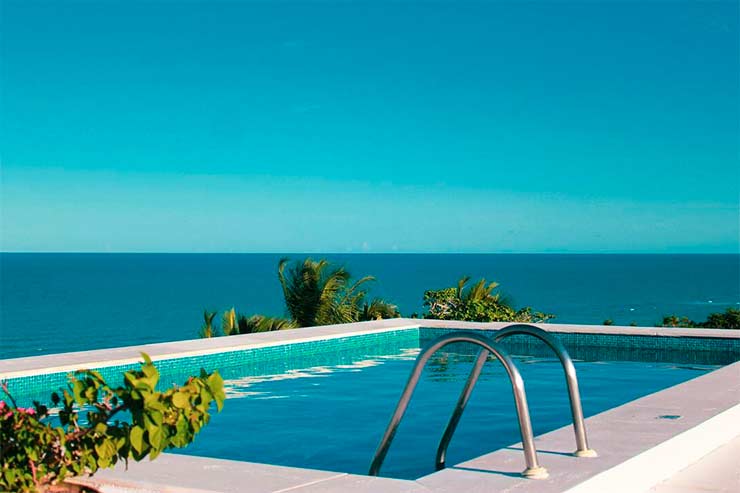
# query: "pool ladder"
[533,469]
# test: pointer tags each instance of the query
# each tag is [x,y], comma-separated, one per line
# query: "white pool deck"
[639,451]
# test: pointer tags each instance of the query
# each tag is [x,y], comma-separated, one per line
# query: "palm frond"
[379,309]
[461,285]
[206,329]
[228,322]
[261,323]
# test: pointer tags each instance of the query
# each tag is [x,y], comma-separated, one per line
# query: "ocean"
[52,303]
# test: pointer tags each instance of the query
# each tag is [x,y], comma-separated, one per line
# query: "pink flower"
[29,410]
[2,405]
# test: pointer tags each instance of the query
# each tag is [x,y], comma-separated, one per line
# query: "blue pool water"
[331,416]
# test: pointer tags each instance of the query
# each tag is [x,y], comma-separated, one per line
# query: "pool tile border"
[101,358]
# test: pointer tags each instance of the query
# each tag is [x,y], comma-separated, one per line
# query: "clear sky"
[370,126]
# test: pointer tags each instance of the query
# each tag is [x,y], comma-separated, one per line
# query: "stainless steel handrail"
[582,449]
[533,470]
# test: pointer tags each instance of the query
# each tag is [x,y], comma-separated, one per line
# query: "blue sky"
[370,126]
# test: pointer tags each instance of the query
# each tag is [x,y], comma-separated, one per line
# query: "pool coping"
[101,358]
[638,444]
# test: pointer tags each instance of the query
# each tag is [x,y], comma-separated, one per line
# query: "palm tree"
[318,294]
[315,294]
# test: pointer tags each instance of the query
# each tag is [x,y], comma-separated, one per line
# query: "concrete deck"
[717,472]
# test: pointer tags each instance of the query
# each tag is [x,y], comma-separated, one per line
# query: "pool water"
[332,416]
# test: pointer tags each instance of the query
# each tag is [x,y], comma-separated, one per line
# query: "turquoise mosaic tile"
[241,363]
[615,347]
[329,352]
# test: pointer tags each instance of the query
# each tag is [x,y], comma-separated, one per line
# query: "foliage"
[261,323]
[730,319]
[608,321]
[676,321]
[477,303]
[37,453]
[318,294]
[378,310]
[206,329]
[228,322]
[315,294]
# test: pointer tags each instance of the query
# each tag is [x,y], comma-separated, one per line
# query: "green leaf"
[181,400]
[105,450]
[137,438]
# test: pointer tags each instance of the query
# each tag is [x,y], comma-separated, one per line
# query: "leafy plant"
[206,329]
[40,450]
[477,303]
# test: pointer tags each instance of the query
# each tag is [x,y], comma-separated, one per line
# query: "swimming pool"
[331,416]
[321,398]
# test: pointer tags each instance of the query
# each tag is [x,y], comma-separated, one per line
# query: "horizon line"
[83,252]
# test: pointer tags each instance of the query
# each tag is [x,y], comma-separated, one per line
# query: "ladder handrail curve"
[533,469]
[582,448]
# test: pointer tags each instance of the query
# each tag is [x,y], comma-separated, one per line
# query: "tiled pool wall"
[293,355]
[614,347]
[270,360]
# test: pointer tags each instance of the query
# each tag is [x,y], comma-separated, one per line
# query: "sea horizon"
[357,253]
[104,299]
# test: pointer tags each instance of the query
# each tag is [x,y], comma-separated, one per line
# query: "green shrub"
[730,319]
[39,451]
[679,322]
[477,303]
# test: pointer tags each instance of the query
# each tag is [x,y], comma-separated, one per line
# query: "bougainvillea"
[93,425]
